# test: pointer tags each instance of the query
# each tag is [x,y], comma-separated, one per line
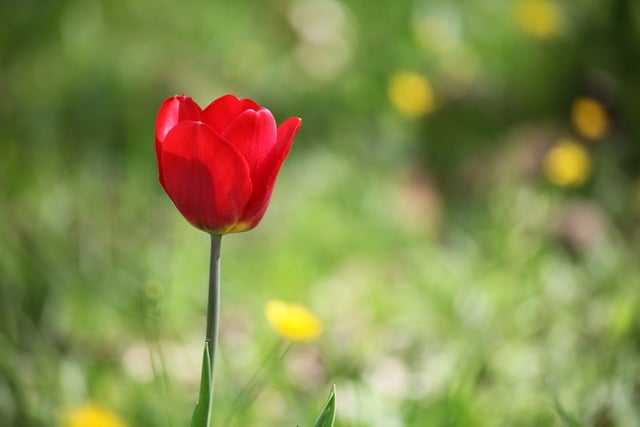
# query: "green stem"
[213,306]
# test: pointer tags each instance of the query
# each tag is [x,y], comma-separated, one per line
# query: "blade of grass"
[328,415]
[202,412]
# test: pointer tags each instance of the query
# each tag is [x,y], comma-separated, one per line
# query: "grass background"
[456,284]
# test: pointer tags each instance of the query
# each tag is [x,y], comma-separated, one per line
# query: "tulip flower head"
[219,164]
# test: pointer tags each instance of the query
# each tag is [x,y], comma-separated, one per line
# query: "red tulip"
[219,165]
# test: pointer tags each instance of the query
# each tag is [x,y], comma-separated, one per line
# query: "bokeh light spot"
[411,94]
[568,164]
[590,118]
[539,18]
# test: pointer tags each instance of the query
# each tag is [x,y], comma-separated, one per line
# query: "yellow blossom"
[589,118]
[91,415]
[567,164]
[293,322]
[411,94]
[539,18]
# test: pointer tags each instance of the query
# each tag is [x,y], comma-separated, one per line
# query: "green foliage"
[456,284]
[328,415]
[202,412]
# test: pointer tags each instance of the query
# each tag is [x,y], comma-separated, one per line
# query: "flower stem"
[213,306]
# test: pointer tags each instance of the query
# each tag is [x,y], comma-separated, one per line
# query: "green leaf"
[202,412]
[328,415]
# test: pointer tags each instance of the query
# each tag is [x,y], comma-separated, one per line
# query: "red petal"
[287,131]
[207,179]
[173,111]
[264,181]
[221,112]
[253,134]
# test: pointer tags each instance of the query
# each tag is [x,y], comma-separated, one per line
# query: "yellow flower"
[292,321]
[539,18]
[567,164]
[91,415]
[589,118]
[411,94]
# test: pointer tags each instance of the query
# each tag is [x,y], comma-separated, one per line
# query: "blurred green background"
[461,210]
